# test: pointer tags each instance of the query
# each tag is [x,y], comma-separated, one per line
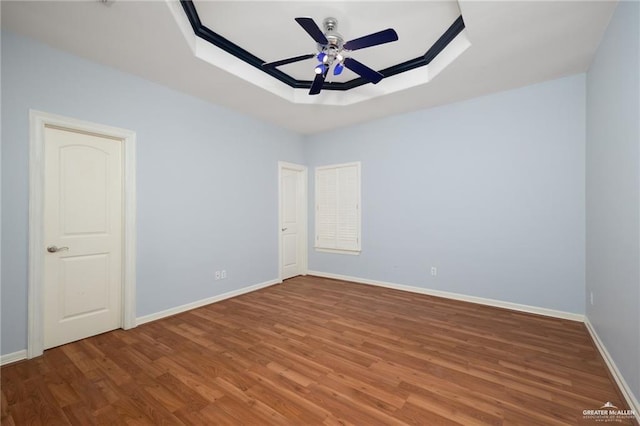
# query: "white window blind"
[338,208]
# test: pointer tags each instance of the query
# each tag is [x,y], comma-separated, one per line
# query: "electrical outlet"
[434,271]
[217,275]
[591,297]
[223,274]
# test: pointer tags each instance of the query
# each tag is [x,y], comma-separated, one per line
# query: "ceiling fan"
[332,50]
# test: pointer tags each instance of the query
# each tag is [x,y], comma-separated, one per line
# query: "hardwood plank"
[315,351]
[248,405]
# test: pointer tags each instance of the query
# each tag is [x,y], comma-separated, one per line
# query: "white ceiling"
[513,44]
[420,25]
[270,32]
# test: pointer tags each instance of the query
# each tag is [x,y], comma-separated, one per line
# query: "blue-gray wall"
[206,179]
[490,191]
[613,192]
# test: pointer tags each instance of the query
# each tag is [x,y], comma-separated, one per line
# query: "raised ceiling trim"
[205,33]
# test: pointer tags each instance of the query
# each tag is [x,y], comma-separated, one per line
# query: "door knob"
[53,249]
[284,229]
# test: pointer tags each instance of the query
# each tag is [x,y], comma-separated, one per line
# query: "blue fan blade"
[363,70]
[312,29]
[287,61]
[316,87]
[381,37]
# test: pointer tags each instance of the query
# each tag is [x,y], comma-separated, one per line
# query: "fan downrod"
[335,39]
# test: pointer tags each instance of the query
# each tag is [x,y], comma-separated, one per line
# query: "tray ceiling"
[510,44]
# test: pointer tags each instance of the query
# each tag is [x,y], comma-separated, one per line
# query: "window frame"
[358,210]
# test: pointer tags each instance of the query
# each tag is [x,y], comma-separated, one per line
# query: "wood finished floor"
[317,351]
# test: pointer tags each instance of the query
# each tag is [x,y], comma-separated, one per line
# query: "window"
[338,208]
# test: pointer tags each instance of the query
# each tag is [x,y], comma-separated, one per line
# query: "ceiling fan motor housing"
[335,40]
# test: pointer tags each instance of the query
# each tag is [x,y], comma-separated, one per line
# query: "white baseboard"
[455,296]
[617,376]
[13,357]
[198,303]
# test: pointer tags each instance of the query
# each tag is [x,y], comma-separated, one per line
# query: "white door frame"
[37,122]
[302,253]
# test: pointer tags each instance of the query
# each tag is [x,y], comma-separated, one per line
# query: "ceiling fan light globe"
[337,70]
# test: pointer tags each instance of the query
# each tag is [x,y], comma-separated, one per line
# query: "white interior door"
[292,221]
[83,200]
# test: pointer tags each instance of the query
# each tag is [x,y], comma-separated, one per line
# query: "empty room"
[320,213]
